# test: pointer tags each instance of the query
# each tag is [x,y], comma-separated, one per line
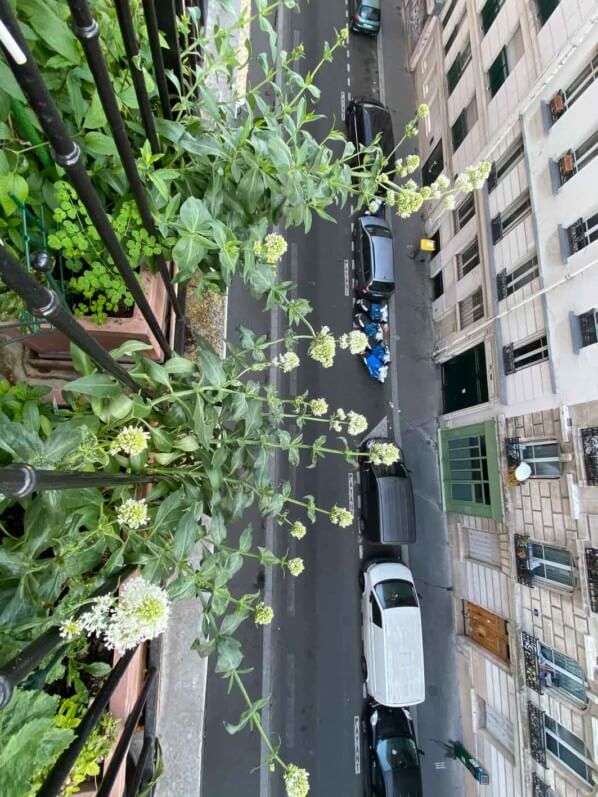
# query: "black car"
[393,766]
[387,505]
[365,120]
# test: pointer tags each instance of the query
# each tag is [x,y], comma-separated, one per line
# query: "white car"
[392,635]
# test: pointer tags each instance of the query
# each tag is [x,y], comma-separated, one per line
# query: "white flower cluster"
[339,516]
[337,419]
[356,341]
[384,454]
[323,348]
[132,513]
[271,249]
[357,423]
[287,361]
[296,781]
[264,614]
[296,566]
[318,406]
[131,440]
[139,613]
[473,177]
[407,166]
[298,530]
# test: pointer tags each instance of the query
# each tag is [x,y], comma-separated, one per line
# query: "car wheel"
[362,580]
[364,668]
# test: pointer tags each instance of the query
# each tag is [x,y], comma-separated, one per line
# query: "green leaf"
[179,365]
[83,363]
[246,539]
[9,84]
[238,406]
[187,254]
[129,347]
[98,669]
[95,117]
[194,214]
[119,407]
[187,443]
[211,368]
[100,144]
[62,442]
[186,534]
[156,372]
[230,654]
[96,385]
[51,29]
[17,186]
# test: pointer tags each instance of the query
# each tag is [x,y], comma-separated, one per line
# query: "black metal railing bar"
[19,480]
[45,303]
[126,736]
[127,29]
[54,781]
[88,32]
[153,32]
[67,154]
[25,662]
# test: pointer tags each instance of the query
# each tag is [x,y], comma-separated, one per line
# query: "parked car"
[365,16]
[374,258]
[393,651]
[393,765]
[365,120]
[387,505]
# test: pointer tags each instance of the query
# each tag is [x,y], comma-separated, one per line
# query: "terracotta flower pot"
[116,330]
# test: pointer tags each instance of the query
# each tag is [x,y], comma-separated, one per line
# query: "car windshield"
[382,287]
[397,752]
[381,232]
[373,14]
[396,594]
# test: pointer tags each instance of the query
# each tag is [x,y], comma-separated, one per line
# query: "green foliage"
[30,740]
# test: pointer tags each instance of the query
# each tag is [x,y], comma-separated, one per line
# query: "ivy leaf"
[51,29]
[17,186]
[100,144]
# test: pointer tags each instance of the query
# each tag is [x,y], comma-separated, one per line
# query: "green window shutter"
[545,9]
[470,470]
[489,13]
[498,72]
[459,129]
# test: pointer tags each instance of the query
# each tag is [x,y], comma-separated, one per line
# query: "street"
[309,659]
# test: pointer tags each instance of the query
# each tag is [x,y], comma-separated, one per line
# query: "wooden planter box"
[116,330]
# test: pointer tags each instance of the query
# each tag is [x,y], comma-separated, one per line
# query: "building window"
[489,13]
[449,13]
[589,443]
[488,630]
[504,222]
[563,100]
[463,124]
[462,59]
[544,10]
[588,326]
[525,354]
[471,309]
[508,284]
[504,63]
[437,286]
[432,168]
[582,233]
[465,212]
[569,749]
[557,671]
[468,259]
[470,472]
[498,726]
[544,458]
[551,564]
[451,39]
[505,163]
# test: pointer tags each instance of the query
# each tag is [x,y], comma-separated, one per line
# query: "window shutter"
[588,323]
[501,285]
[491,182]
[576,235]
[508,356]
[496,229]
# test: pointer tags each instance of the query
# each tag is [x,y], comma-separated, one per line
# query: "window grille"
[509,283]
[468,259]
[471,309]
[524,355]
[464,212]
[589,442]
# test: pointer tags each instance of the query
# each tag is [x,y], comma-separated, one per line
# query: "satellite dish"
[523,472]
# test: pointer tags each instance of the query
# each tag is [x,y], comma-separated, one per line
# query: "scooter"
[374,331]
[376,361]
[377,311]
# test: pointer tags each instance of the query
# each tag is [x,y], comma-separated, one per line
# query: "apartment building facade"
[514,289]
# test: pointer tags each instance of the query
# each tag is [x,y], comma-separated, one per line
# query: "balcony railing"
[589,442]
[592,571]
[537,736]
[539,788]
[530,657]
[522,560]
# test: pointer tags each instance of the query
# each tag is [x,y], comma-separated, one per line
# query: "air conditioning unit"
[557,105]
[567,166]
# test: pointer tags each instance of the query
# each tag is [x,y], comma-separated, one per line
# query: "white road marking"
[350,479]
[357,740]
[290,707]
[347,286]
[439,764]
[360,550]
[343,105]
[353,272]
[348,67]
[364,691]
[349,82]
[349,96]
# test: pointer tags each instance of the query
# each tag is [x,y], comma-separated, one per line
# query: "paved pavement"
[312,652]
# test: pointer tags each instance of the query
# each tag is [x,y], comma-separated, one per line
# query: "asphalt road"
[313,648]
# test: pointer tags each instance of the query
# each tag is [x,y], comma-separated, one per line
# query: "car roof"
[382,250]
[397,513]
[404,656]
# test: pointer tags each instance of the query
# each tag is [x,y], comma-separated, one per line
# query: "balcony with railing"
[537,738]
[522,560]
